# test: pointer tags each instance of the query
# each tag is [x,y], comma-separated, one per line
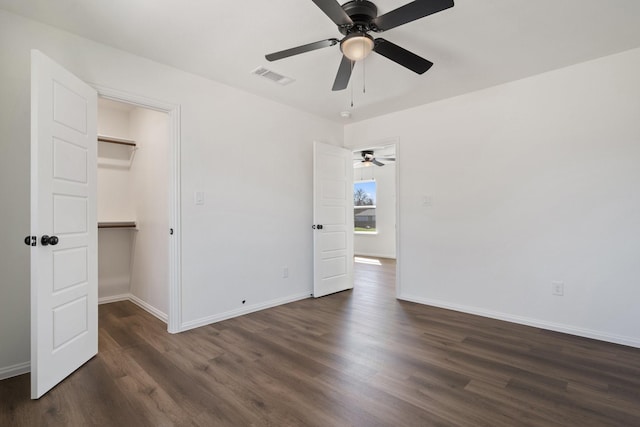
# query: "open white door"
[64,262]
[332,219]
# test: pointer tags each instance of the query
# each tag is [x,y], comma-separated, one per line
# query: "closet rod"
[117,224]
[113,140]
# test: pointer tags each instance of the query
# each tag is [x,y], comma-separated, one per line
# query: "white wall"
[150,182]
[383,243]
[115,194]
[115,203]
[251,157]
[531,182]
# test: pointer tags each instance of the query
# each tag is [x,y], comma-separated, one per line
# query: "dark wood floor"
[357,358]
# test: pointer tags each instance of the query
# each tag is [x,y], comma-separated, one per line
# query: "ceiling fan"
[368,158]
[355,20]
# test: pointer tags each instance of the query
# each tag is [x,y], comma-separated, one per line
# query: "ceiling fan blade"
[344,74]
[301,49]
[402,56]
[388,159]
[377,163]
[410,12]
[334,11]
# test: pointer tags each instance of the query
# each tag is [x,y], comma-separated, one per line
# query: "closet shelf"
[117,224]
[114,140]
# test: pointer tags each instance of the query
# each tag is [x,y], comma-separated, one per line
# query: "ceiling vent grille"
[273,76]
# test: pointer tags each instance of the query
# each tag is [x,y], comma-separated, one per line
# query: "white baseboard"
[137,301]
[14,370]
[241,311]
[374,255]
[149,308]
[114,298]
[536,323]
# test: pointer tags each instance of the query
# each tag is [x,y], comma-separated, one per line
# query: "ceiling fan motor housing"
[367,155]
[361,12]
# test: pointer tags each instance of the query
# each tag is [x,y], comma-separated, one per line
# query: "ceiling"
[474,45]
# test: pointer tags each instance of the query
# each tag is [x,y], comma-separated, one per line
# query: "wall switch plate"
[427,201]
[199,198]
[285,272]
[557,288]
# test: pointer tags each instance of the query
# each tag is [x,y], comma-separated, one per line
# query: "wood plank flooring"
[356,358]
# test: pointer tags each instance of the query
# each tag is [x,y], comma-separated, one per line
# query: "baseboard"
[137,301]
[373,255]
[114,298]
[149,308]
[536,323]
[15,370]
[192,324]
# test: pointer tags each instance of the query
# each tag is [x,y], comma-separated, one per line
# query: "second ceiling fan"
[369,158]
[355,20]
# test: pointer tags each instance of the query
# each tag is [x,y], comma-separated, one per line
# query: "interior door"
[332,219]
[64,262]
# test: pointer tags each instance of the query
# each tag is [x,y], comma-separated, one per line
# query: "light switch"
[199,198]
[427,201]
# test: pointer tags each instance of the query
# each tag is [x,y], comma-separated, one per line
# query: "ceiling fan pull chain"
[364,78]
[364,75]
[353,63]
[351,96]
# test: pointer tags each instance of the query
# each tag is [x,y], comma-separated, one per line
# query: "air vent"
[273,76]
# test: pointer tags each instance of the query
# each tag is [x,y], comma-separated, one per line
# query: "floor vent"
[273,76]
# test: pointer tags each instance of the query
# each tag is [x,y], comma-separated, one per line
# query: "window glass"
[364,206]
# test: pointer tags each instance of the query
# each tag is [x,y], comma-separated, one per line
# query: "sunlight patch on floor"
[372,261]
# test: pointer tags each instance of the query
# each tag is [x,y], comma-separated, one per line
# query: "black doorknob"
[49,240]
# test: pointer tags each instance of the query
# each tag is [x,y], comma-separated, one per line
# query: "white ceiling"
[474,45]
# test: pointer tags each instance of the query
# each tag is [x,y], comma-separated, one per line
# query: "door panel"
[69,268]
[64,276]
[69,321]
[333,217]
[69,161]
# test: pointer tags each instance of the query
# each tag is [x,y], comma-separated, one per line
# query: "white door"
[332,219]
[64,274]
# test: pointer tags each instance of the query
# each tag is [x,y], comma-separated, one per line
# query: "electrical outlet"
[285,272]
[557,288]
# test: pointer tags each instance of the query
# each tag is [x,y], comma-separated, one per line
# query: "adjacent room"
[320,212]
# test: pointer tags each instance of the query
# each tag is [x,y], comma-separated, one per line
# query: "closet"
[132,210]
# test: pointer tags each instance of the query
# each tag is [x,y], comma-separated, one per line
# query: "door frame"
[395,141]
[174,316]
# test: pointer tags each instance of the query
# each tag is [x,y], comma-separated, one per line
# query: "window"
[364,206]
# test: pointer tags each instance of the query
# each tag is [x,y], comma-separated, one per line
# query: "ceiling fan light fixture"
[357,46]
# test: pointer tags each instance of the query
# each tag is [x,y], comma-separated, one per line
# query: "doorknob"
[49,240]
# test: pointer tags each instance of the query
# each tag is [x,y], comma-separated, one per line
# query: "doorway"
[375,177]
[132,206]
[169,231]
